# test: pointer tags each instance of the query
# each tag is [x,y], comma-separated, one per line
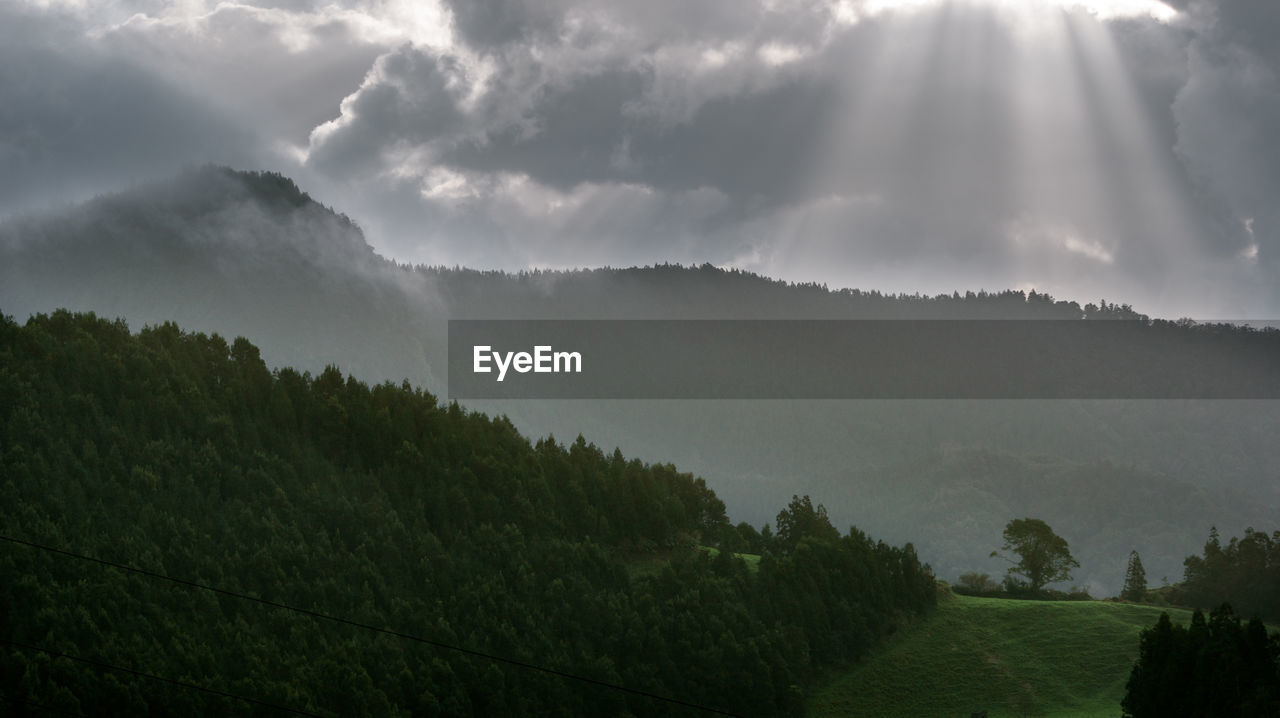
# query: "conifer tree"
[1135,579]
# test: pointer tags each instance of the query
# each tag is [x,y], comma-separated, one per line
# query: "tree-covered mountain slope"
[250,254]
[295,495]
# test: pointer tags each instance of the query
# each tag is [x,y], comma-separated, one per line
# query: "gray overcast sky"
[1124,149]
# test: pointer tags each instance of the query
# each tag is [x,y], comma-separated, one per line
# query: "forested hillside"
[250,254]
[183,456]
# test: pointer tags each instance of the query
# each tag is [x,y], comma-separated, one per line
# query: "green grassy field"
[1007,657]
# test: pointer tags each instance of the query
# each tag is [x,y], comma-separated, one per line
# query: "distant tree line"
[1244,572]
[706,290]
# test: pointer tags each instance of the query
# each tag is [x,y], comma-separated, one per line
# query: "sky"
[1118,149]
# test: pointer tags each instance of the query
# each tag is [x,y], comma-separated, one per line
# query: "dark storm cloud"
[578,129]
[490,24]
[579,94]
[1225,114]
[908,156]
[408,101]
[750,145]
[498,22]
[1253,24]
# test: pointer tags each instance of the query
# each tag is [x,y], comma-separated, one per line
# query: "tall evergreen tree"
[1135,579]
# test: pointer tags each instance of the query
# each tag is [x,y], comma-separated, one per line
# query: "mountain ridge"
[229,261]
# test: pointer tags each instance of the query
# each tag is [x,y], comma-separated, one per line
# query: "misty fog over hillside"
[252,255]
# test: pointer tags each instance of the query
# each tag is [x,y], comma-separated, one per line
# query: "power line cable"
[152,676]
[369,627]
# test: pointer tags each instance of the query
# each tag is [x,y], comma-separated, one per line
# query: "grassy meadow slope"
[1004,656]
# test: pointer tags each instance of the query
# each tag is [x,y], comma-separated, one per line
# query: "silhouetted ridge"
[708,291]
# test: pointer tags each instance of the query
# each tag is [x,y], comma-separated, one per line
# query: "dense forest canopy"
[183,455]
[1217,667]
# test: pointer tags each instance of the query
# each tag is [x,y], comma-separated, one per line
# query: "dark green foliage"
[1135,579]
[1043,556]
[1244,573]
[799,520]
[181,454]
[1218,668]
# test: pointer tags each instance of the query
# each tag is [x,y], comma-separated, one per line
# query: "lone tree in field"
[1135,580]
[1043,555]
